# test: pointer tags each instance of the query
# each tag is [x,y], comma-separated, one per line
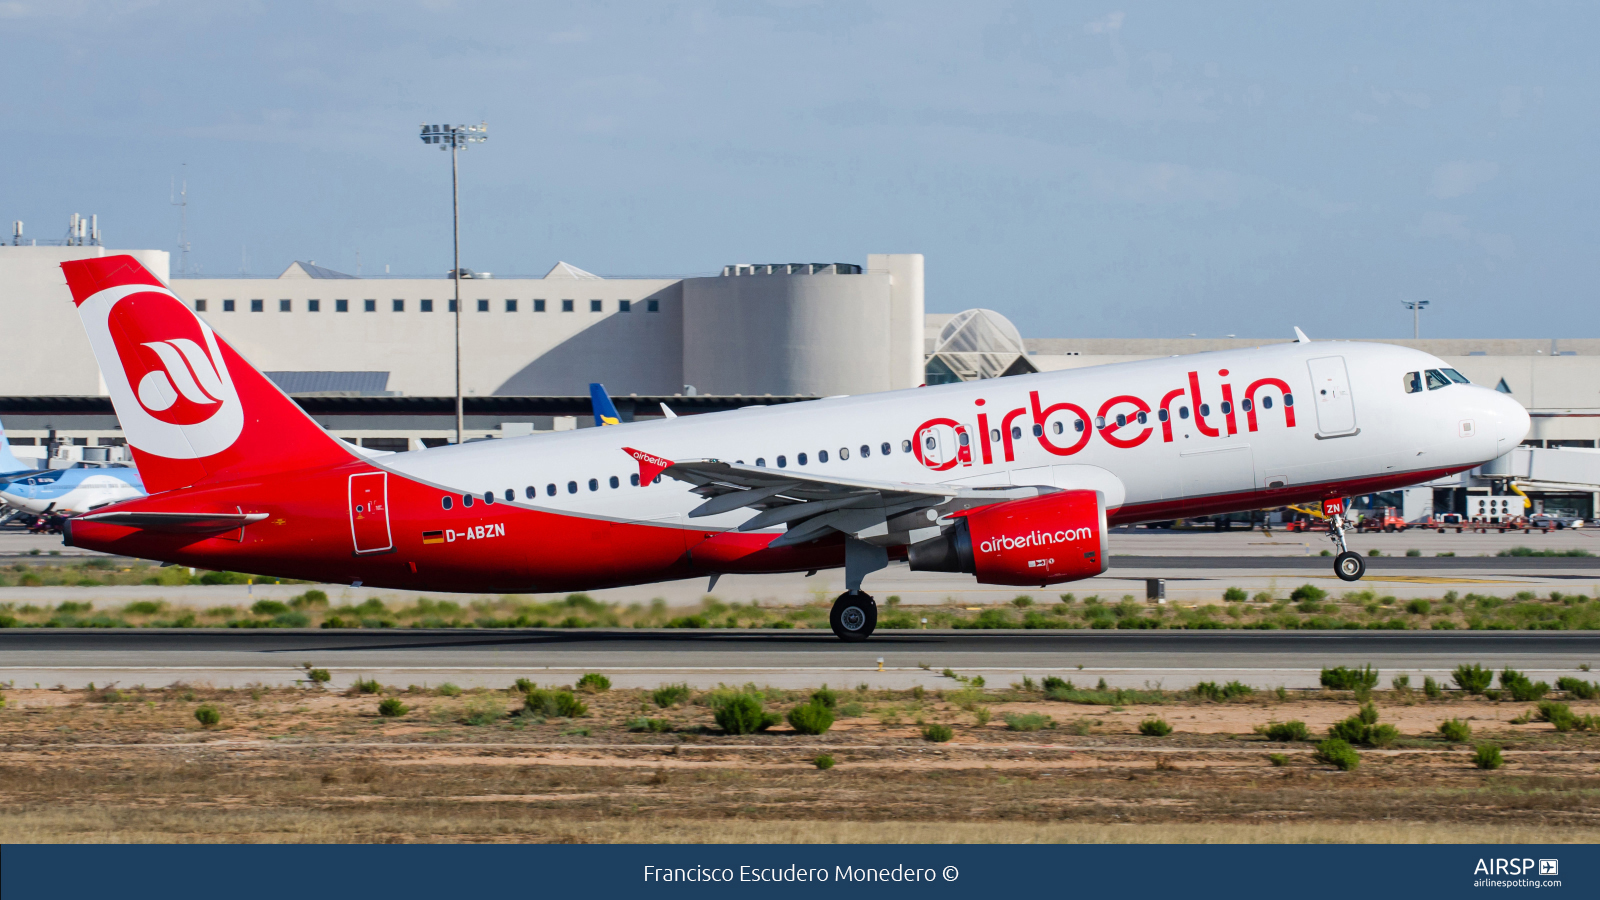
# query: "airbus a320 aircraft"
[1013,480]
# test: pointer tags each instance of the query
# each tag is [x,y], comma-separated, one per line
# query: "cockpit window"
[1457,377]
[1436,380]
[1412,381]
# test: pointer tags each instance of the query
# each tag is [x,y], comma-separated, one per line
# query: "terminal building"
[373,359]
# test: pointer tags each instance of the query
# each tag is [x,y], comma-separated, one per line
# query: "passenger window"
[802,458]
[930,442]
[1245,404]
[822,455]
[1205,409]
[488,497]
[572,487]
[1183,412]
[866,450]
[962,439]
[1099,421]
[1143,418]
[761,462]
[1016,433]
[782,462]
[1457,377]
[1163,416]
[446,502]
[1266,402]
[1122,419]
[994,435]
[594,484]
[1038,430]
[1058,427]
[511,494]
[1437,380]
[530,492]
[550,489]
[1226,407]
[614,482]
[905,447]
[634,479]
[466,499]
[1077,425]
[1412,381]
[844,453]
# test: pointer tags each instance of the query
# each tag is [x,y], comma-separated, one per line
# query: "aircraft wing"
[177,522]
[813,505]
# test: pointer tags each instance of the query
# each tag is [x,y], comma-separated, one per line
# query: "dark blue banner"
[1186,871]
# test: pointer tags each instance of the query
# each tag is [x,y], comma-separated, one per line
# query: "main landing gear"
[1348,565]
[854,616]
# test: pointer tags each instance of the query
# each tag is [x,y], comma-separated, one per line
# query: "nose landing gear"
[1348,565]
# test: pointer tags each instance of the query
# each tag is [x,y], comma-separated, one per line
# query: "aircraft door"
[369,512]
[1330,389]
[943,445]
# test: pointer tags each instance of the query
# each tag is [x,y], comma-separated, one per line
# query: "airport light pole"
[456,138]
[1416,307]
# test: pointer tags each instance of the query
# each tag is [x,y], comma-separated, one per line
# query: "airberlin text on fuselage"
[1124,411]
[1036,539]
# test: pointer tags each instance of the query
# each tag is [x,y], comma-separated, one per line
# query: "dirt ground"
[308,765]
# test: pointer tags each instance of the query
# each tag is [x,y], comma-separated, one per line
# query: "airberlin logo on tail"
[1036,539]
[165,372]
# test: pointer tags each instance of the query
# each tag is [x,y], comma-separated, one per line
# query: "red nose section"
[87,277]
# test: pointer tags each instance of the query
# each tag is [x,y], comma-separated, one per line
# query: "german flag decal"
[433,537]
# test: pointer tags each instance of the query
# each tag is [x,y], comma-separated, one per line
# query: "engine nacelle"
[1040,540]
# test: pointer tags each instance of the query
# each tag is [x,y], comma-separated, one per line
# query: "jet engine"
[1042,540]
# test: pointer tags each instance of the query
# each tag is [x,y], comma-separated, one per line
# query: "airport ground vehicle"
[1013,480]
[1385,519]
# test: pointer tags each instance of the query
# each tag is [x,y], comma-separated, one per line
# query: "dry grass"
[291,765]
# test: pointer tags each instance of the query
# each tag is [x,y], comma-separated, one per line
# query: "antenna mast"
[182,202]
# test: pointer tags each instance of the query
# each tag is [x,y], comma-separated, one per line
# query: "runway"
[649,657]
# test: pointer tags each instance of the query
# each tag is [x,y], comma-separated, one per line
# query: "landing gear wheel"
[854,617]
[1349,566]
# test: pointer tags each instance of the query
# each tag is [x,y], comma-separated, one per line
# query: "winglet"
[1300,336]
[605,412]
[649,466]
[667,411]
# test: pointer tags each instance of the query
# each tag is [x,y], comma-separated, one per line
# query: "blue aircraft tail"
[605,412]
[9,464]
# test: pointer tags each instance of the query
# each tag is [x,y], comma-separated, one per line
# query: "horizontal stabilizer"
[177,522]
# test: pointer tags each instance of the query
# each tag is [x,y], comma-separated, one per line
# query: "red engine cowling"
[1041,540]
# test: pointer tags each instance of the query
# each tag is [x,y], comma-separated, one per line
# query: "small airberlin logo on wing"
[165,372]
[1036,539]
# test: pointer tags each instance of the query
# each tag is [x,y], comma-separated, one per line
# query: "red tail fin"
[191,407]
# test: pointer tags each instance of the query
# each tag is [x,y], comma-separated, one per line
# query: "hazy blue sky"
[1088,169]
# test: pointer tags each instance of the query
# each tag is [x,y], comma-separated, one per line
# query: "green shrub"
[448,690]
[1474,679]
[1400,683]
[823,762]
[1052,683]
[309,599]
[826,697]
[268,607]
[371,686]
[207,715]
[1456,731]
[70,606]
[653,726]
[1578,688]
[1382,735]
[318,677]
[594,683]
[483,710]
[1351,730]
[1339,754]
[670,695]
[143,608]
[743,714]
[1368,714]
[1210,690]
[1419,607]
[1560,715]
[1431,688]
[1155,728]
[391,707]
[811,718]
[1278,759]
[1487,756]
[1235,595]
[1292,730]
[1341,678]
[1520,687]
[523,685]
[938,734]
[1029,722]
[1308,592]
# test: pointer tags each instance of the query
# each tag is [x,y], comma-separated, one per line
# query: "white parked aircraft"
[1014,480]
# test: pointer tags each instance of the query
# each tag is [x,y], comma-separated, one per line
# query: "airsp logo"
[164,371]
